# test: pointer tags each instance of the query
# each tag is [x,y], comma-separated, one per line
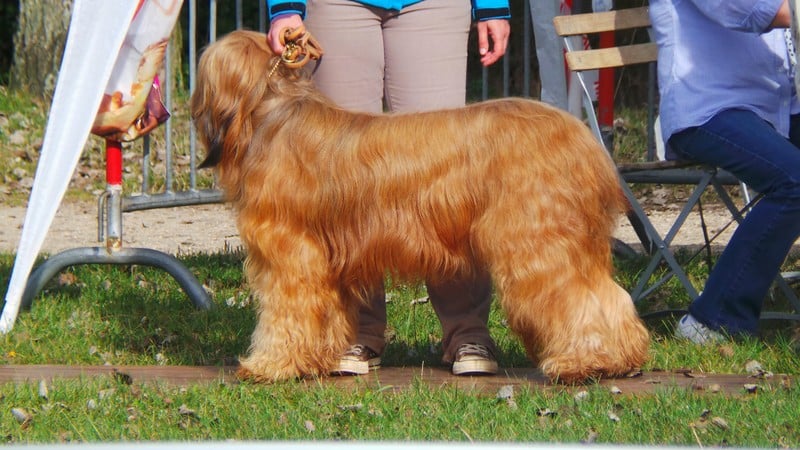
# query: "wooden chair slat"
[580,60]
[572,25]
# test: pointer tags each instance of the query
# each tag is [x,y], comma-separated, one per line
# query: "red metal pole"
[605,96]
[113,162]
[113,196]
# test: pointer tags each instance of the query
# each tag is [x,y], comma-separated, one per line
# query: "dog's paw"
[244,374]
[569,371]
[262,375]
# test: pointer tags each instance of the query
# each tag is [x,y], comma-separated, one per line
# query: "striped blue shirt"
[481,9]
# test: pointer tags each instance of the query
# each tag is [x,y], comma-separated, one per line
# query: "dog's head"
[239,80]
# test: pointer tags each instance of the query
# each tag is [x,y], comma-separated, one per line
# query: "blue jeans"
[750,148]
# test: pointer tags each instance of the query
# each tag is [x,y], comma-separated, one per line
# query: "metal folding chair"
[580,60]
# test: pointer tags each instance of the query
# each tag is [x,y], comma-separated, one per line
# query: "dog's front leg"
[303,323]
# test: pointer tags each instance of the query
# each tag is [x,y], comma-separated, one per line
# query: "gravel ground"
[211,228]
[184,230]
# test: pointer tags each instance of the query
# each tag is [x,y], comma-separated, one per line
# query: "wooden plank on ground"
[399,378]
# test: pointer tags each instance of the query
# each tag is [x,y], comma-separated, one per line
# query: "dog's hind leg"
[596,333]
[573,319]
[304,324]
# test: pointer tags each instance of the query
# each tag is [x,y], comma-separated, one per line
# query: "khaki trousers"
[403,61]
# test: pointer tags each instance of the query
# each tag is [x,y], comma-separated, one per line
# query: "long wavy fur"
[328,201]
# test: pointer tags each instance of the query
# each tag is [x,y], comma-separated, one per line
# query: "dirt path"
[184,230]
[211,228]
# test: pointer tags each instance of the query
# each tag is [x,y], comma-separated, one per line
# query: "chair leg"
[661,251]
[641,232]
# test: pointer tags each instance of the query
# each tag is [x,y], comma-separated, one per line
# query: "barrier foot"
[123,256]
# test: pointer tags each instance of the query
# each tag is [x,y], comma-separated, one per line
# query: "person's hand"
[492,40]
[278,26]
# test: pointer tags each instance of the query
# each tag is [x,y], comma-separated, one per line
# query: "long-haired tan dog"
[329,201]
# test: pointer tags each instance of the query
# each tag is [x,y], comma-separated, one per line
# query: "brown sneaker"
[474,359]
[358,360]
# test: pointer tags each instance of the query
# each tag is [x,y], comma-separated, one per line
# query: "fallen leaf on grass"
[106,393]
[506,393]
[43,389]
[354,407]
[122,377]
[755,370]
[720,423]
[704,422]
[67,279]
[50,406]
[21,416]
[420,301]
[545,412]
[753,367]
[581,395]
[726,351]
[591,437]
[186,411]
[750,388]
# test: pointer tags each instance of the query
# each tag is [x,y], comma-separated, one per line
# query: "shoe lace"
[474,349]
[356,350]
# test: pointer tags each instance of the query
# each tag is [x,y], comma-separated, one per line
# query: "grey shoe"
[690,329]
[358,360]
[474,359]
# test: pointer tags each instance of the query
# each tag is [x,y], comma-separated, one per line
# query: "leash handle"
[299,47]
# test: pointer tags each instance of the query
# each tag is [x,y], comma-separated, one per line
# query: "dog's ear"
[212,140]
[209,133]
[232,84]
[213,157]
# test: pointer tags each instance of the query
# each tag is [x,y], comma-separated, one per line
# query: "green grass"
[421,413]
[136,315]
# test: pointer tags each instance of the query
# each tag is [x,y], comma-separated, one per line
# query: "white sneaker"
[474,359]
[358,359]
[689,328]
